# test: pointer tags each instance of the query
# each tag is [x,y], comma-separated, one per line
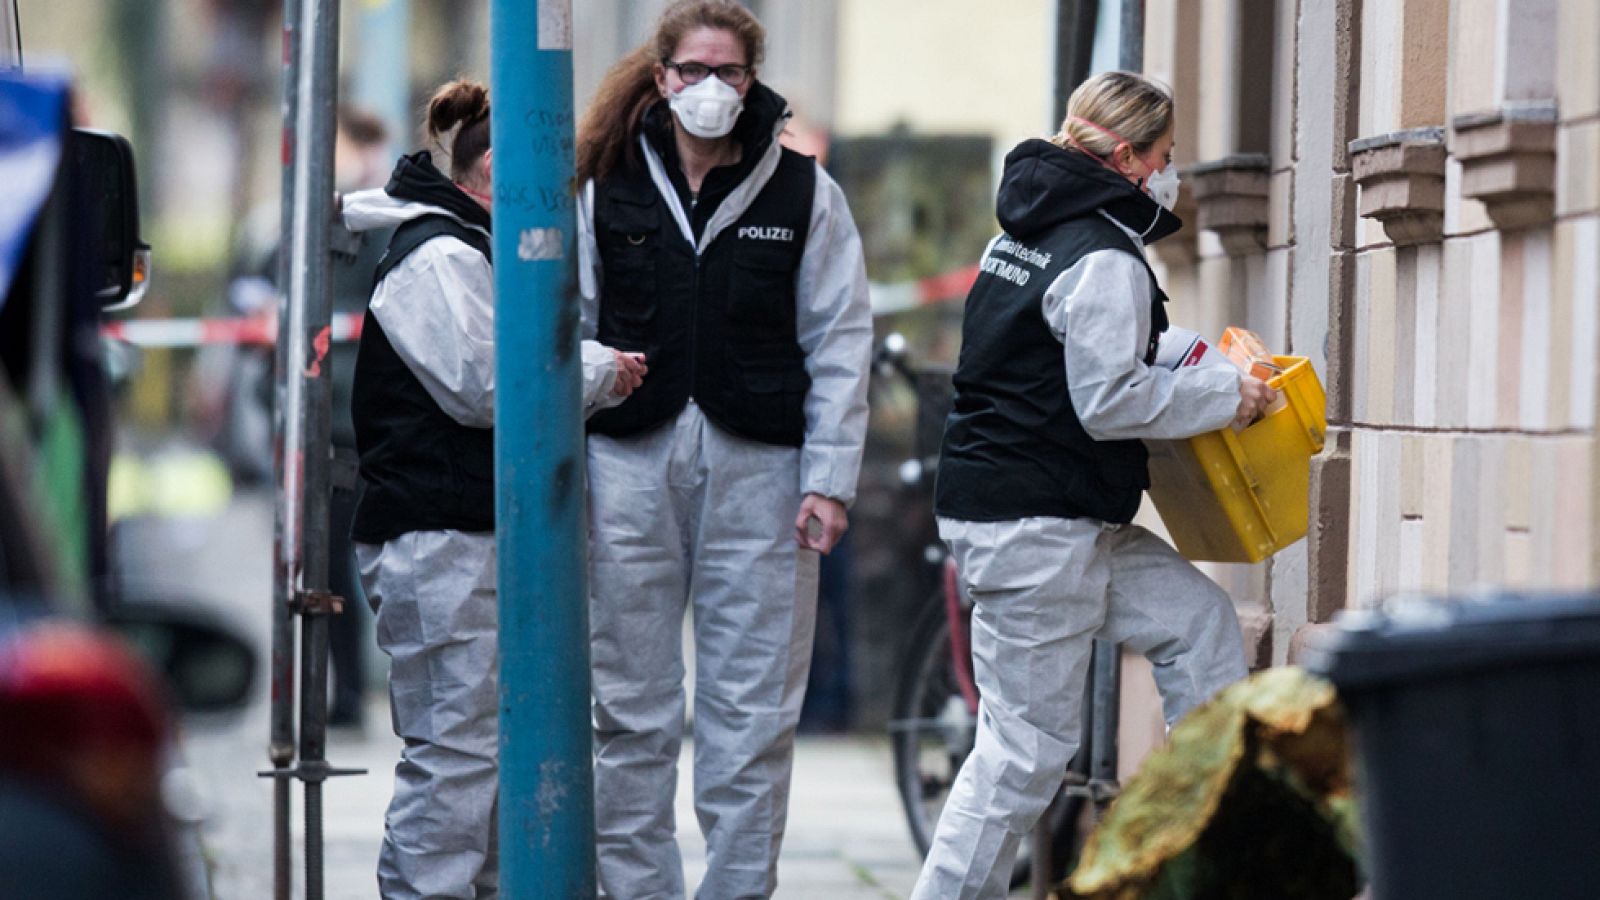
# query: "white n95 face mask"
[708,109]
[1163,186]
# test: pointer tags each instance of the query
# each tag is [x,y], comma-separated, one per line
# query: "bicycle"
[934,718]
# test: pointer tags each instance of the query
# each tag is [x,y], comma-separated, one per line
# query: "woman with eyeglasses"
[733,265]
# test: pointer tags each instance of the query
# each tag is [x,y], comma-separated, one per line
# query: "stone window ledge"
[1401,175]
[1231,200]
[1508,161]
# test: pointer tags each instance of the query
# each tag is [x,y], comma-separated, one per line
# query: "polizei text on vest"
[765,233]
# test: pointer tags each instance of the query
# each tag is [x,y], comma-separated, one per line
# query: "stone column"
[1504,128]
[1577,243]
[1322,313]
[1399,162]
[1172,56]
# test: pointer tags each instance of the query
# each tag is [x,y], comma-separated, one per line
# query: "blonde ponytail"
[1130,106]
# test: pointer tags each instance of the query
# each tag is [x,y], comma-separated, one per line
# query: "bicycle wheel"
[932,732]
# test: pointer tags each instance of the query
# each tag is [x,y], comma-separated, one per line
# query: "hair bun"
[457,102]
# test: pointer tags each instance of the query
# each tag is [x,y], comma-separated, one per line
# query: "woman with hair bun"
[733,263]
[423,405]
[1043,468]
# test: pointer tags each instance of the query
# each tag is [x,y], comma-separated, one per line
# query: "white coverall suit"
[690,514]
[1044,588]
[434,591]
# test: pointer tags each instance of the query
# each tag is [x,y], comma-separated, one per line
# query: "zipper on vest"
[694,323]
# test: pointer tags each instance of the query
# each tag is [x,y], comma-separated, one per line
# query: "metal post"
[1130,55]
[286,528]
[1074,51]
[1107,659]
[1106,715]
[546,783]
[311,309]
[1042,862]
[1108,656]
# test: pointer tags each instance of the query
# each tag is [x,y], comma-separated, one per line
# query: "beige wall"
[1462,372]
[1405,63]
[942,66]
[1475,365]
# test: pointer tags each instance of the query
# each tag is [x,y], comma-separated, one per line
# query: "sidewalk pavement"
[847,837]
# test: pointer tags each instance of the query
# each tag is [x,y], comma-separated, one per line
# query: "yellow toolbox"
[1241,497]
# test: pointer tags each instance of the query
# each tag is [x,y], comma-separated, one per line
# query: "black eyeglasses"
[731,74]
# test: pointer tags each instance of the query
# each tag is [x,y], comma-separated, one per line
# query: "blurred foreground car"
[86,750]
[83,728]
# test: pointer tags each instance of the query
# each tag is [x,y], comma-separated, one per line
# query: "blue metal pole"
[546,777]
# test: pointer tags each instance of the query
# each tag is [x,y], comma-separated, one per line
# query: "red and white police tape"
[251,331]
[904,295]
[262,331]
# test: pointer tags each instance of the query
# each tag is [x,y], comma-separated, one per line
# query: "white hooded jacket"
[437,309]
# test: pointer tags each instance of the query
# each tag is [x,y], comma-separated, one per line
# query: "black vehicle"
[70,250]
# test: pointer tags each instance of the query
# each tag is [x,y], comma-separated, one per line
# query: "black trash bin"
[1477,741]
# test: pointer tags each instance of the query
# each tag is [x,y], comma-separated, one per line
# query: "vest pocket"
[628,250]
[761,289]
[775,385]
[775,380]
[627,296]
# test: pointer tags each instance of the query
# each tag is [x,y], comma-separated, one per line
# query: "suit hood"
[1043,186]
[417,188]
[417,180]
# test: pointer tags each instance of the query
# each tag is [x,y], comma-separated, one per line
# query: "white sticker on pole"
[535,244]
[555,24]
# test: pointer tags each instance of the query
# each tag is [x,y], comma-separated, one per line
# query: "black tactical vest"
[1013,445]
[421,470]
[719,328]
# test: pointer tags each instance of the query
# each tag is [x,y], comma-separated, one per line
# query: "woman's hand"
[1254,398]
[832,522]
[630,372]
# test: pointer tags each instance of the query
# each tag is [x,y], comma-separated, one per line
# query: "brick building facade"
[1408,192]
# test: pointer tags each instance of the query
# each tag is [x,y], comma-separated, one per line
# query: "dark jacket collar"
[417,179]
[1044,185]
[755,130]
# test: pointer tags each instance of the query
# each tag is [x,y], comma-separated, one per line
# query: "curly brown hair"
[608,134]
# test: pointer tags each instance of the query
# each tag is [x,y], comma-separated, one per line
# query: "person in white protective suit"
[734,265]
[1042,469]
[423,405]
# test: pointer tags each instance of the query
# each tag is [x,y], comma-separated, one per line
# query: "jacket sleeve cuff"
[599,377]
[830,472]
